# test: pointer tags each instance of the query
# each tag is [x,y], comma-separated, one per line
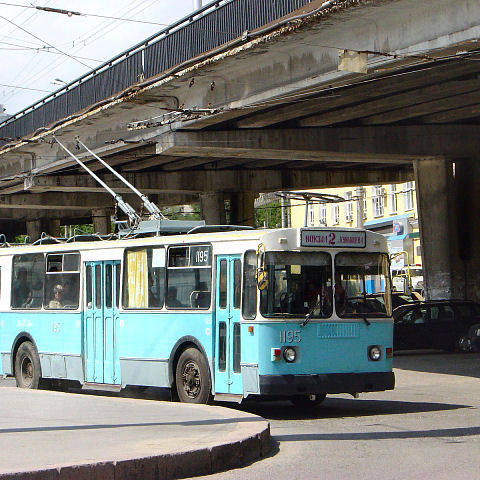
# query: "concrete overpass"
[275,105]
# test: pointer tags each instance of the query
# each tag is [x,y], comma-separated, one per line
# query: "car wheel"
[28,371]
[464,344]
[192,377]
[307,402]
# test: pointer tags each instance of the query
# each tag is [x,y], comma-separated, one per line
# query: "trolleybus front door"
[102,283]
[228,378]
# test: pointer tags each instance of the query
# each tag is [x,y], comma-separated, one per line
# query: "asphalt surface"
[427,428]
[42,430]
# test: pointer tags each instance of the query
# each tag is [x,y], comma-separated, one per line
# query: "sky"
[27,36]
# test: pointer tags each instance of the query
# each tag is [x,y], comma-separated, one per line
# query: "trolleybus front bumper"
[326,383]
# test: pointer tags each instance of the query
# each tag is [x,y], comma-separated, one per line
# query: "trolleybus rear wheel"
[27,366]
[305,401]
[192,377]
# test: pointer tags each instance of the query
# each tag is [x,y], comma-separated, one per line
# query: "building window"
[393,198]
[365,206]
[408,192]
[378,202]
[311,215]
[322,214]
[335,214]
[349,208]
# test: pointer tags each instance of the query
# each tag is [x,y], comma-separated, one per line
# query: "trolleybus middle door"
[101,322]
[228,378]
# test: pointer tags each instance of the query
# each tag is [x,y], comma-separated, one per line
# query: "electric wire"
[83,14]
[44,41]
[57,63]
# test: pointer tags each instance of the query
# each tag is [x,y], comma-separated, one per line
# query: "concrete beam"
[426,108]
[148,183]
[381,145]
[288,144]
[55,201]
[350,95]
[180,187]
[454,115]
[412,97]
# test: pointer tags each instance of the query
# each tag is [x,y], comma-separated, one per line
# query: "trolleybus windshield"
[297,282]
[362,285]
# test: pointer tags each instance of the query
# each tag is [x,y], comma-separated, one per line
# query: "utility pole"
[359,193]
[197,4]
[284,211]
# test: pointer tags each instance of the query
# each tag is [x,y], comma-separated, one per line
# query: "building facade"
[387,209]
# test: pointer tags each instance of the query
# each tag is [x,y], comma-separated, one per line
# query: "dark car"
[442,324]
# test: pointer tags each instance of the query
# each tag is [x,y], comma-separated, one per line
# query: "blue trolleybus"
[287,313]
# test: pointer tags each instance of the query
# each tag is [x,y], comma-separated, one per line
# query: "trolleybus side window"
[88,286]
[62,281]
[237,282]
[298,283]
[362,284]
[249,300]
[144,278]
[189,277]
[222,291]
[27,281]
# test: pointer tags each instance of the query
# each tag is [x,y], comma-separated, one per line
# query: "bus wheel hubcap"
[191,379]
[27,370]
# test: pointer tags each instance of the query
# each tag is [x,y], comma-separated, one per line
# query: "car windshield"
[359,279]
[297,283]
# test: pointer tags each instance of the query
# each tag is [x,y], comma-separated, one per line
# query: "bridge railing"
[215,24]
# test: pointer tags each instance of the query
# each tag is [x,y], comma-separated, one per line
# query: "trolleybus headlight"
[374,353]
[289,354]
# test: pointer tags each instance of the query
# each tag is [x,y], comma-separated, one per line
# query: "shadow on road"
[462,364]
[444,432]
[334,407]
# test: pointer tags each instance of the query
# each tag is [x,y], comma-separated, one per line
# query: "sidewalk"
[53,435]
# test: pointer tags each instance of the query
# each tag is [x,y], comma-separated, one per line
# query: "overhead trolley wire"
[44,41]
[57,62]
[71,13]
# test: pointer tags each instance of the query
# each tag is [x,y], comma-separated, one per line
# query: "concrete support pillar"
[34,229]
[438,228]
[242,209]
[54,227]
[467,185]
[212,208]
[101,221]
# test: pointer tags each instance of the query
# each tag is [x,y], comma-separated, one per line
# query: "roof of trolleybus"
[272,239]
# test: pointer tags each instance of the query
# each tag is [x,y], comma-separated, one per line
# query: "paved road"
[428,428]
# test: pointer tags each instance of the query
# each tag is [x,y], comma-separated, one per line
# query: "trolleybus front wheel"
[27,366]
[307,401]
[192,377]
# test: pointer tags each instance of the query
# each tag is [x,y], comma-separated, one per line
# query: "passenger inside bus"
[20,288]
[172,300]
[57,300]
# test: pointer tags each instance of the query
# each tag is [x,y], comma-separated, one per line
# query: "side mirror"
[262,277]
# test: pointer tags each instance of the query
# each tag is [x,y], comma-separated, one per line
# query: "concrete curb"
[186,464]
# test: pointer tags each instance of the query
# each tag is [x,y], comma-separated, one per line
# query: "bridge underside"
[275,112]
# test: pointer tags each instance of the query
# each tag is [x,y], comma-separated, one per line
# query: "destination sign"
[332,239]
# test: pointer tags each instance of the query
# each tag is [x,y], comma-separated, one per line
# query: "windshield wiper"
[311,312]
[365,319]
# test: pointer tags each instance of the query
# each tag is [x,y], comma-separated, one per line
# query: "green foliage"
[269,215]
